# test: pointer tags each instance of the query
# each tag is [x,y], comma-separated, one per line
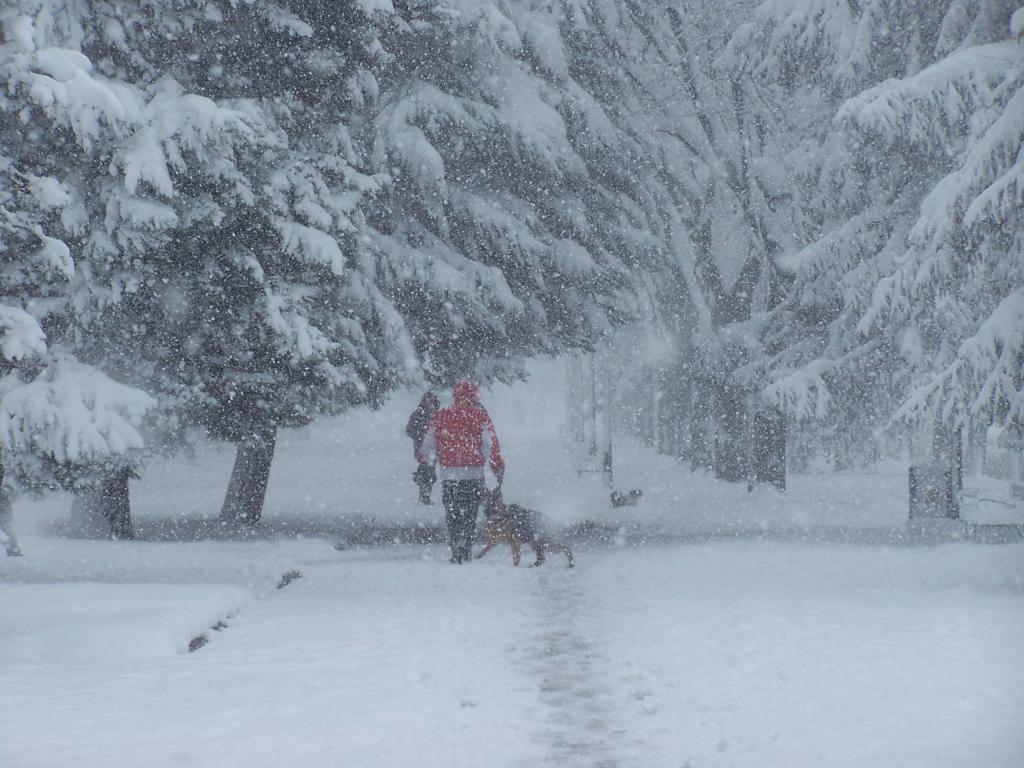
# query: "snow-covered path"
[564,658]
[739,654]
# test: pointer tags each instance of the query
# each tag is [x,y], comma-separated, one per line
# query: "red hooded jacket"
[463,437]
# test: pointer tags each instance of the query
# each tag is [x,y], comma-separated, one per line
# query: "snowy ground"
[716,628]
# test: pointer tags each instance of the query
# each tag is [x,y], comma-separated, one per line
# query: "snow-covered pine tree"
[107,128]
[739,212]
[905,299]
[496,240]
[219,268]
[316,334]
[953,296]
[689,159]
[62,423]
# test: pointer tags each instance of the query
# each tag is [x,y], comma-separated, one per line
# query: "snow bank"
[86,624]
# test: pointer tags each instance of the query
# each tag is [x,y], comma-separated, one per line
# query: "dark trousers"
[461,502]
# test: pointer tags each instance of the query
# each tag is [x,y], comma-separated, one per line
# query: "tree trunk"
[731,450]
[248,487]
[651,438]
[117,505]
[701,440]
[104,511]
[936,483]
[770,449]
[681,414]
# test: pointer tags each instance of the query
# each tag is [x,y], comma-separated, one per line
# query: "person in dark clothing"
[463,439]
[424,476]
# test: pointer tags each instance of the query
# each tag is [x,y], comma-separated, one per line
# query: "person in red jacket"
[463,440]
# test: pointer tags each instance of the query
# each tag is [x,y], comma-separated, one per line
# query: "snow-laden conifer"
[913,245]
[497,239]
[61,421]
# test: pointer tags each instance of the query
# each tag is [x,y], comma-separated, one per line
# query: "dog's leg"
[487,548]
[538,549]
[515,552]
[568,554]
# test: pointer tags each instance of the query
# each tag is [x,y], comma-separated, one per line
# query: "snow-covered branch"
[801,394]
[20,334]
[985,378]
[71,413]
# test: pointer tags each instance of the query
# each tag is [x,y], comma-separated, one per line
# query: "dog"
[626,499]
[515,525]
